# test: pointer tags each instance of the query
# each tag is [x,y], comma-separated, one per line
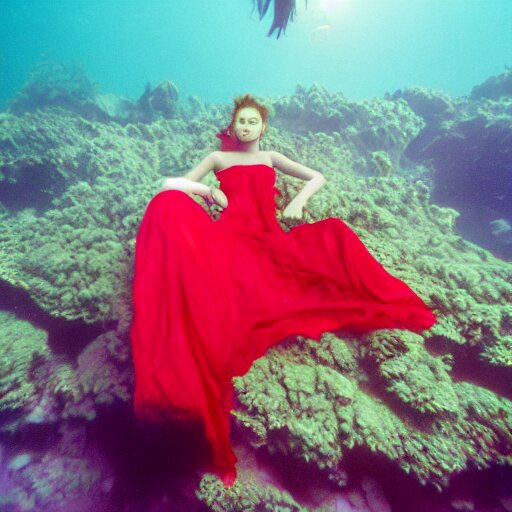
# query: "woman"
[210,297]
[241,145]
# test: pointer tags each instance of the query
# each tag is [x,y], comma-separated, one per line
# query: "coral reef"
[159,102]
[382,163]
[39,387]
[315,401]
[432,407]
[432,105]
[67,86]
[369,125]
[466,144]
[494,87]
[52,83]
[23,350]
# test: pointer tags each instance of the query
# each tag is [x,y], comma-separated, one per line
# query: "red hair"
[228,139]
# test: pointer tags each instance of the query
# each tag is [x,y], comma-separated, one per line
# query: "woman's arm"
[315,179]
[185,185]
[189,183]
[294,169]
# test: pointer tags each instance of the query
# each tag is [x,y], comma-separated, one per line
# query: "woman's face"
[248,124]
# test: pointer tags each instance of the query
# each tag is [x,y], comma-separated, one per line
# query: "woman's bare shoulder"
[218,159]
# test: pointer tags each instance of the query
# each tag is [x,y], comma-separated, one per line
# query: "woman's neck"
[252,146]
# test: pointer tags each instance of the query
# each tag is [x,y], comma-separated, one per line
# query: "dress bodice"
[250,190]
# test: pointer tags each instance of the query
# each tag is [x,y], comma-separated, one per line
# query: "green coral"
[246,496]
[421,381]
[317,414]
[71,258]
[500,352]
[430,104]
[40,387]
[23,348]
[382,163]
[368,125]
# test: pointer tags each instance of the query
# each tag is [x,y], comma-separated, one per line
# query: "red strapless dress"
[210,297]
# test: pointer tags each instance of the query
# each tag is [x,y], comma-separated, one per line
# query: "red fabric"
[210,297]
[227,142]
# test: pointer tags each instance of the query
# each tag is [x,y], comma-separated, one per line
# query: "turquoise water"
[216,49]
[405,107]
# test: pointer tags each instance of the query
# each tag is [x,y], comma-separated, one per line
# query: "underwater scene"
[256,255]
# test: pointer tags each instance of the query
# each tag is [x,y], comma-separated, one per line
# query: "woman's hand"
[216,196]
[293,210]
[166,184]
